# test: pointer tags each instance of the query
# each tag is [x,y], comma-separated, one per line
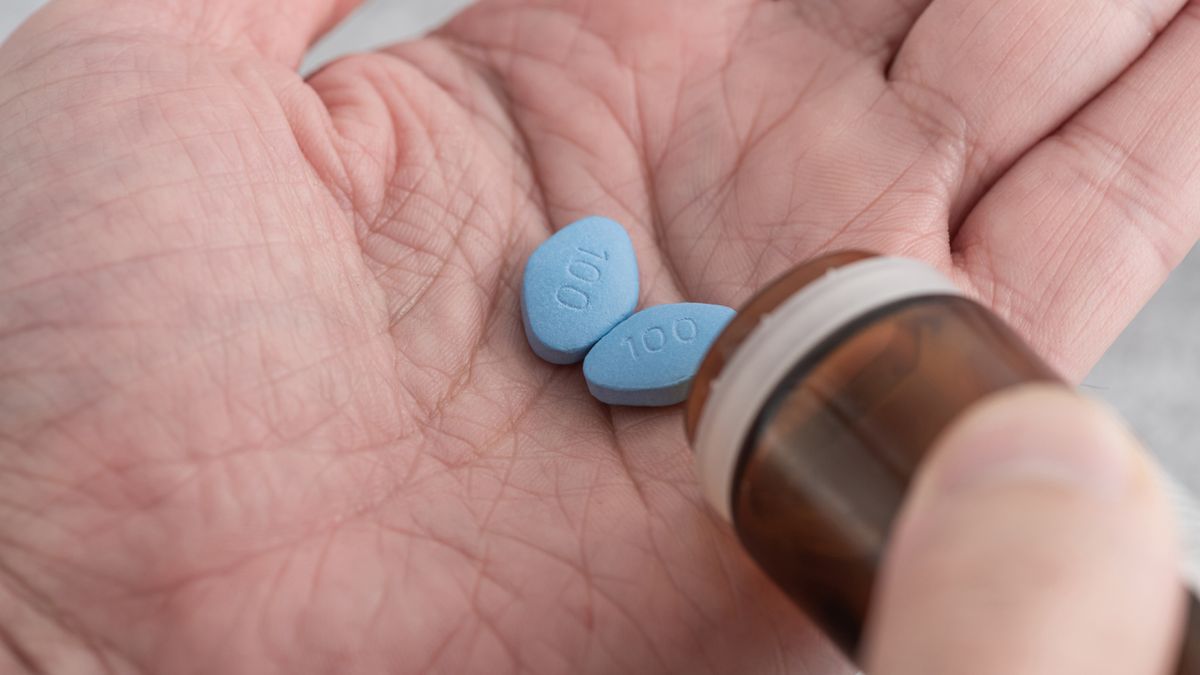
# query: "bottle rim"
[783,336]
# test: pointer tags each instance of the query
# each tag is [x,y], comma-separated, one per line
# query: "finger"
[869,26]
[1036,542]
[993,77]
[281,30]
[1097,215]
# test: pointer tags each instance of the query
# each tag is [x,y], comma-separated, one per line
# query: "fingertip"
[1044,434]
[1036,532]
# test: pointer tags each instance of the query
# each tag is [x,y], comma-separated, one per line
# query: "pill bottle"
[813,409]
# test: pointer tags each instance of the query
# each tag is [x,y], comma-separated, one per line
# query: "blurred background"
[1152,373]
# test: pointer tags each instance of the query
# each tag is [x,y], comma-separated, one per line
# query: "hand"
[1036,542]
[265,401]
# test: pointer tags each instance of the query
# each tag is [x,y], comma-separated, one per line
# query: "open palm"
[265,400]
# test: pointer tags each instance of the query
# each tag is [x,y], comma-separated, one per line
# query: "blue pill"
[578,284]
[651,357]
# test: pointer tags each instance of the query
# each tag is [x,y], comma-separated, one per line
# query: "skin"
[1036,541]
[265,400]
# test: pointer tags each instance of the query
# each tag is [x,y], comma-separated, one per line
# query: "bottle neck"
[729,400]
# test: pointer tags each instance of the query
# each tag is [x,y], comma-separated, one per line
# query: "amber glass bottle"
[812,411]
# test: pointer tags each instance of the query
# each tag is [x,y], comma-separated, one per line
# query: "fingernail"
[1039,435]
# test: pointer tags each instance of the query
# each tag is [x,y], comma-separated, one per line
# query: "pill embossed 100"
[651,357]
[578,285]
[654,339]
[573,294]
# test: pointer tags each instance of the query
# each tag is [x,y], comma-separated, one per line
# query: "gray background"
[1150,374]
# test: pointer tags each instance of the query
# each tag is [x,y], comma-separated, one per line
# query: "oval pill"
[651,357]
[578,284]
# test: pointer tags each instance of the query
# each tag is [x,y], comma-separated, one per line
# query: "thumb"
[1036,541]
